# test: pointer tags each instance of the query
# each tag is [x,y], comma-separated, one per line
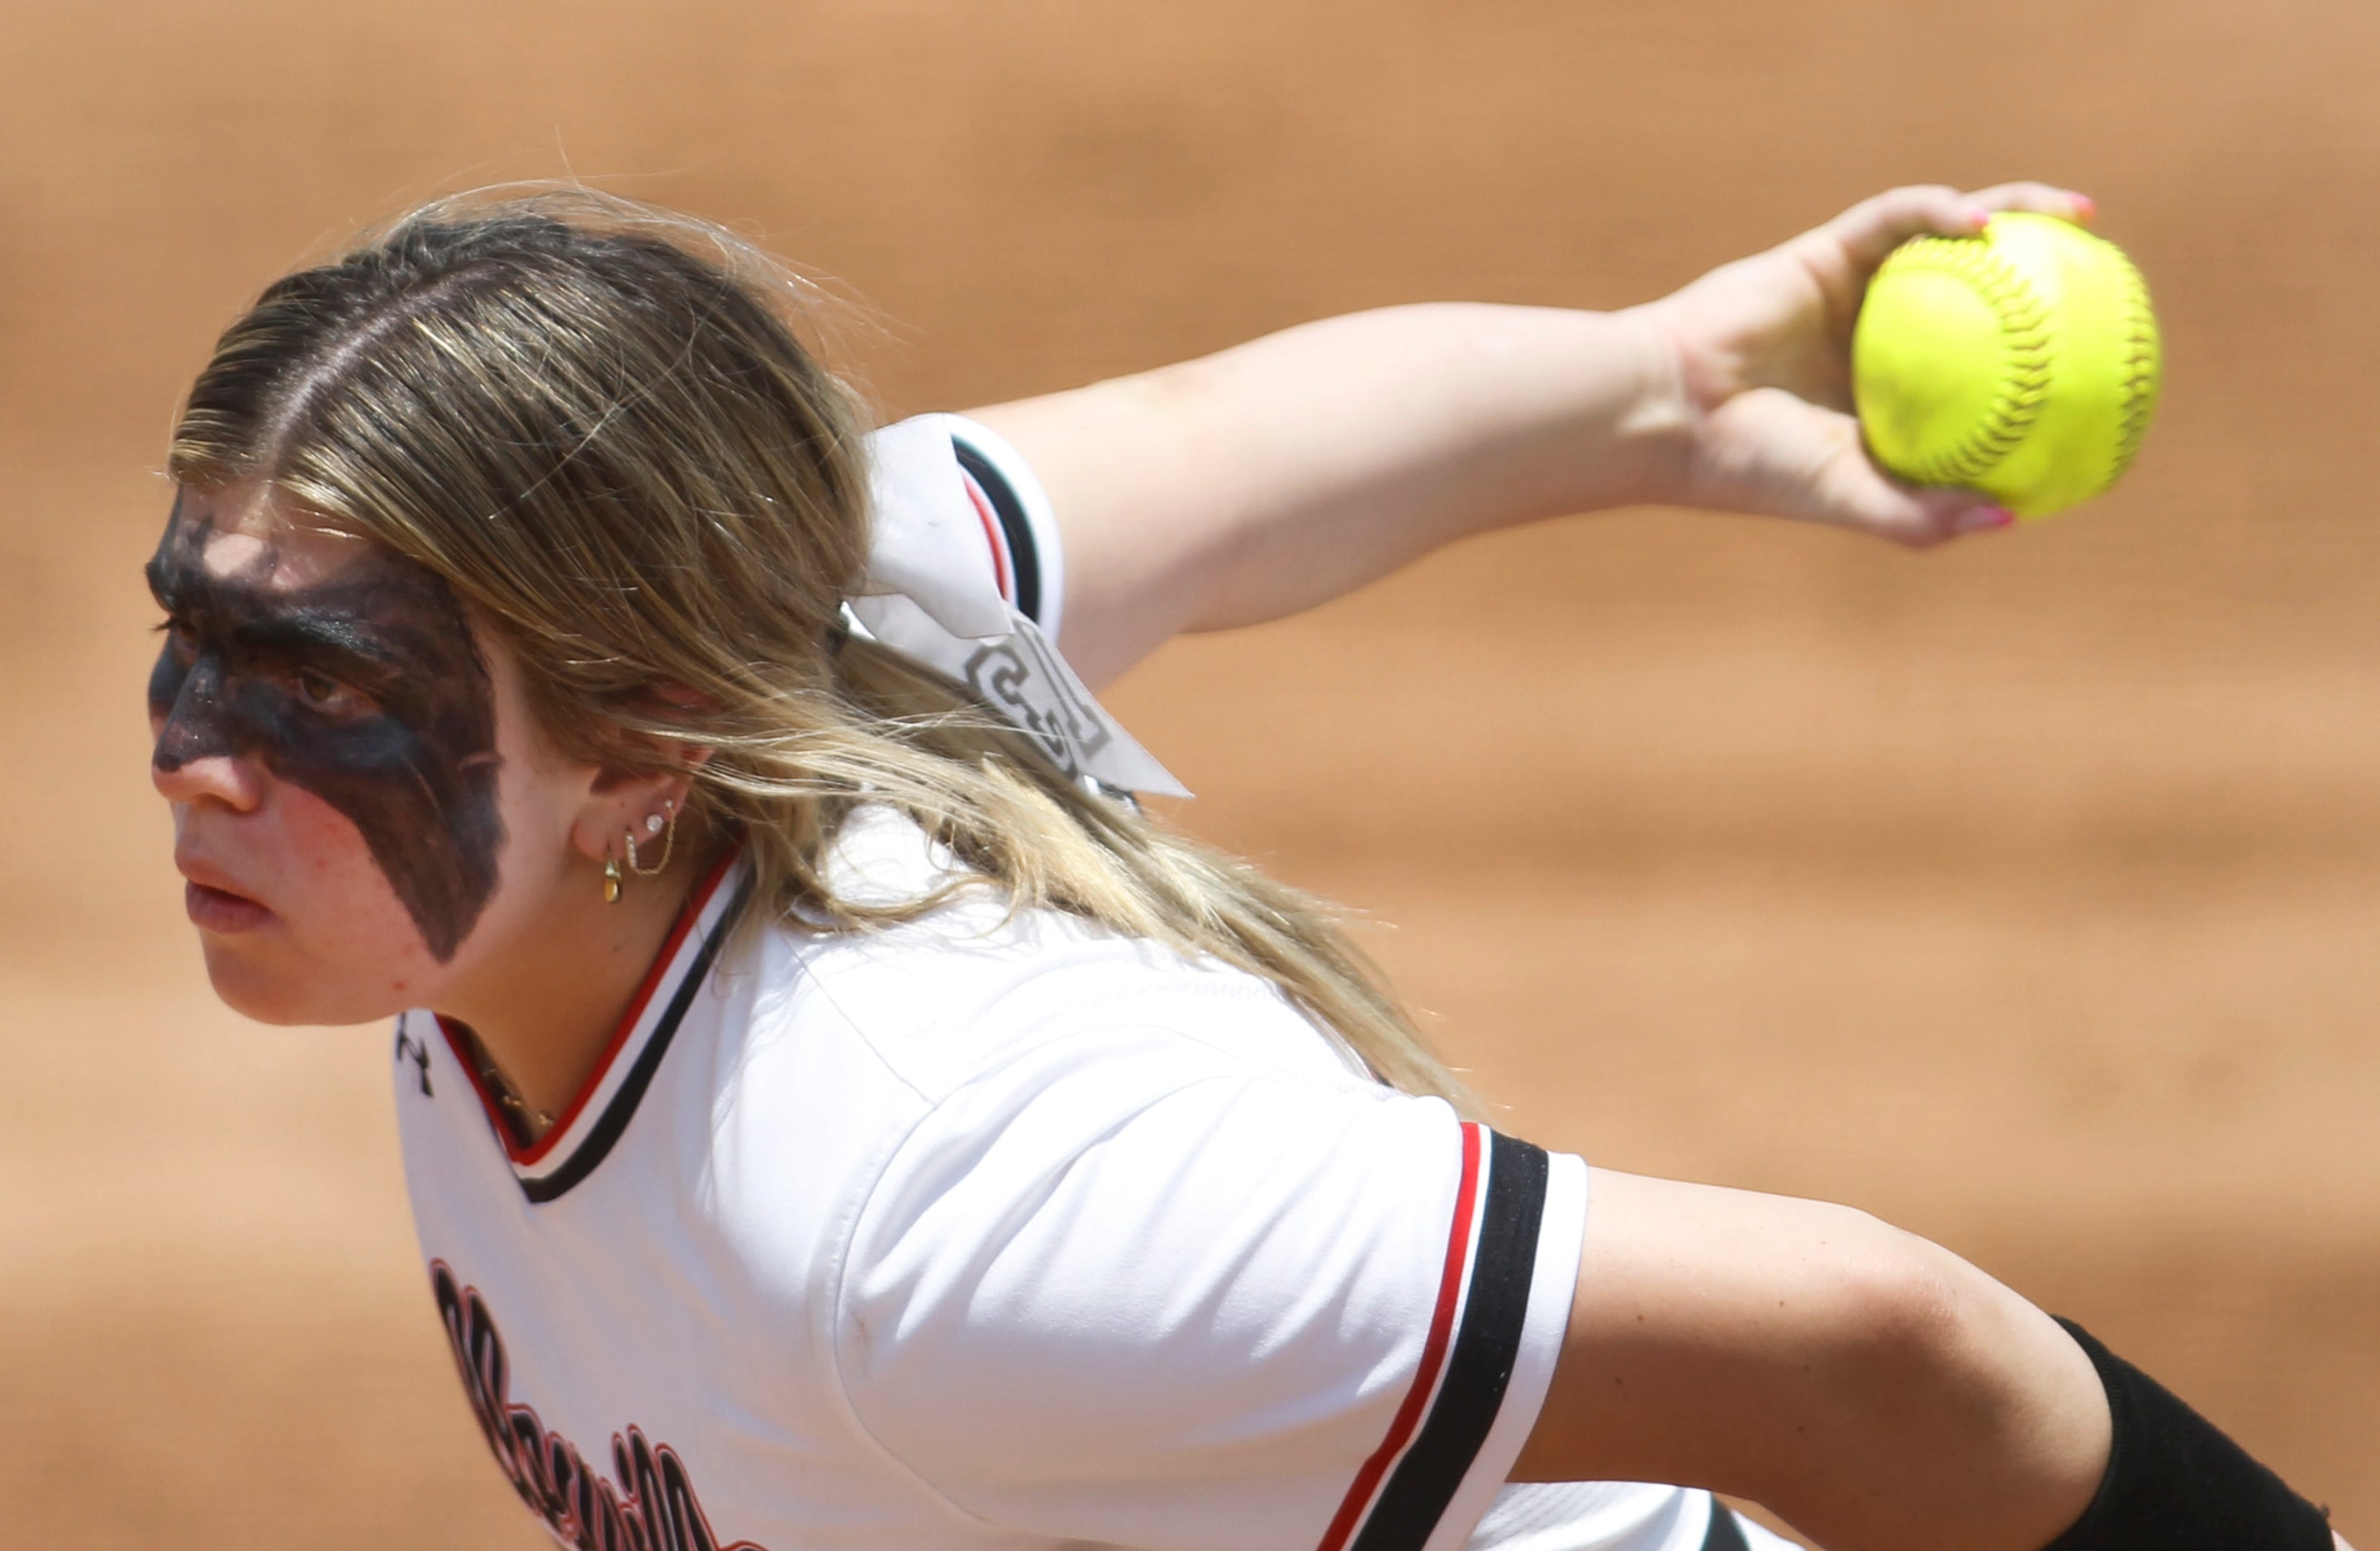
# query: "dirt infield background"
[2025,892]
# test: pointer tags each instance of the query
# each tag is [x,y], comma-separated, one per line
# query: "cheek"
[349,899]
[346,950]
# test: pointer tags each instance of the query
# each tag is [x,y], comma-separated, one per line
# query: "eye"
[320,692]
[182,636]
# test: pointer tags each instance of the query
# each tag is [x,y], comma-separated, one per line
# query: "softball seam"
[2143,361]
[2024,330]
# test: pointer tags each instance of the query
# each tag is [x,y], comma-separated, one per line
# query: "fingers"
[1873,227]
[2041,198]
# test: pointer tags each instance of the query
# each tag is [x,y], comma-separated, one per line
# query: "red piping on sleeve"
[990,537]
[1433,1356]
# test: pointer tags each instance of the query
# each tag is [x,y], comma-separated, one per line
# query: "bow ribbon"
[930,592]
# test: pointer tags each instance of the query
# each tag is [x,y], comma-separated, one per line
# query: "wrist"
[1659,426]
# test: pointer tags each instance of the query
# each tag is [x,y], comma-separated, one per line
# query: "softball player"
[834,1115]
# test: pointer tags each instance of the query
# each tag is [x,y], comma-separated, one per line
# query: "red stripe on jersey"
[1433,1356]
[990,537]
[536,1152]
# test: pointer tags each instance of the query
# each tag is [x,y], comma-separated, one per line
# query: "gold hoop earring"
[611,879]
[669,842]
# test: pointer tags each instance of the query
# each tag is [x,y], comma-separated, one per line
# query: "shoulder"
[973,989]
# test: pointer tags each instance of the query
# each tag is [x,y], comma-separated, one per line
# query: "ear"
[642,802]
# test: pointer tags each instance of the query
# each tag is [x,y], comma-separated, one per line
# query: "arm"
[1275,476]
[1870,1387]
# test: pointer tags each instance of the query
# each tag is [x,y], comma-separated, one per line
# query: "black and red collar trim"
[584,1134]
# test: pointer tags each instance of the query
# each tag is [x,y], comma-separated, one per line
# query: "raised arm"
[1873,1389]
[1249,485]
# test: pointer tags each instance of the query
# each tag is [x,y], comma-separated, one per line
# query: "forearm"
[1248,485]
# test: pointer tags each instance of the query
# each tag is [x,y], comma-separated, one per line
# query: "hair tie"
[930,594]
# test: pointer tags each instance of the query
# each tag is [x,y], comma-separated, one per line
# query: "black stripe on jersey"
[622,1106]
[1479,1367]
[1726,1534]
[1013,524]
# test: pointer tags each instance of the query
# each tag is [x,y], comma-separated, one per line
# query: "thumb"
[1919,516]
[1767,450]
[1944,514]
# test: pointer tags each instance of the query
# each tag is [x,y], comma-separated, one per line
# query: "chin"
[256,986]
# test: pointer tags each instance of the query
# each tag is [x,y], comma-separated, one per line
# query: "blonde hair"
[595,420]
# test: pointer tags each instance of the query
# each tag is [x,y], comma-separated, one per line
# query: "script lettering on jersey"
[364,688]
[648,1504]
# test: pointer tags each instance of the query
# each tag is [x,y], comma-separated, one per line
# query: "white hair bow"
[930,592]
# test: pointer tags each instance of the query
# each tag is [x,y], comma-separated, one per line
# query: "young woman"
[834,1114]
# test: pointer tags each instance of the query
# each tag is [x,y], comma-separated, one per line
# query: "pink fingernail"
[1983,519]
[2085,207]
[1979,218]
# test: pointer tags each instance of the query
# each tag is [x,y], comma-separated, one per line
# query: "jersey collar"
[585,1131]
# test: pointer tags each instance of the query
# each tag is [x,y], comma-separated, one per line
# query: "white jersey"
[998,1230]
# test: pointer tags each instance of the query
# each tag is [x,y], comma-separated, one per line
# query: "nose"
[231,780]
[195,759]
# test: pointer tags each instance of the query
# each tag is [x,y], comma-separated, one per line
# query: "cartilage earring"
[611,879]
[654,823]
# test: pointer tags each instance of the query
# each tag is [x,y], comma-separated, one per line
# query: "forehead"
[248,533]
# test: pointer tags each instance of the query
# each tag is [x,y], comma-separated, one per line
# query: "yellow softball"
[2022,362]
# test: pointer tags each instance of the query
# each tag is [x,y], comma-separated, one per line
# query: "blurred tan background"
[2023,892]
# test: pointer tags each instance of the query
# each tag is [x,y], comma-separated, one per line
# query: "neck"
[568,978]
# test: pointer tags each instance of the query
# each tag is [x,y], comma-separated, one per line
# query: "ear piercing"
[655,824]
[614,880]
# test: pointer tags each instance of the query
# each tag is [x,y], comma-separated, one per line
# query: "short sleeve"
[1107,1295]
[1018,530]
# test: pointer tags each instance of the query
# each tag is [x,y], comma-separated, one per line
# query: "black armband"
[2175,1483]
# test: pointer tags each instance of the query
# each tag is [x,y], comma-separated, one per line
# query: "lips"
[212,909]
[214,903]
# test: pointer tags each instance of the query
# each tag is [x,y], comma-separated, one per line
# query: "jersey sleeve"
[1018,530]
[1100,1298]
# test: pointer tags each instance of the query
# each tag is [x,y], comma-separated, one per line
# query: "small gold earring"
[611,879]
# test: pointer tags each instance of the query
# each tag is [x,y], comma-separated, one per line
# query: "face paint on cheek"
[414,770]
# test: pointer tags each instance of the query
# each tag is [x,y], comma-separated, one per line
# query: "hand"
[1763,354]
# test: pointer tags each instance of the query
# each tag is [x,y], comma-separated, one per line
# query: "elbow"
[1947,1381]
[1874,1371]
[1907,1314]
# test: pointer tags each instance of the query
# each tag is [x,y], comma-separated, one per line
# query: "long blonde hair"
[595,420]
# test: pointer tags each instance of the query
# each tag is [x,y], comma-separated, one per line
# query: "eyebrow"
[292,629]
[314,631]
